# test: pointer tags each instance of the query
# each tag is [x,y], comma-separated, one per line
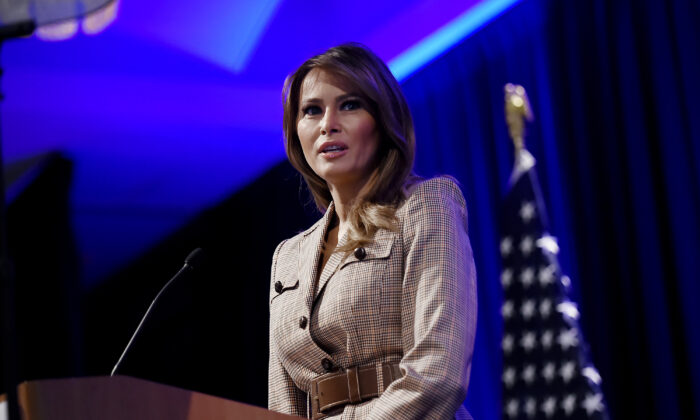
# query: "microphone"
[192,260]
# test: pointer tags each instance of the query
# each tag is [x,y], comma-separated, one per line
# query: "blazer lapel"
[331,267]
[310,255]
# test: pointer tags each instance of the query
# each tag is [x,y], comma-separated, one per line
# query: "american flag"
[546,371]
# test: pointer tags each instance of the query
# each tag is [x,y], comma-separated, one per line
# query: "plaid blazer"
[412,300]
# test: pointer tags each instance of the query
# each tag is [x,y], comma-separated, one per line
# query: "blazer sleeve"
[283,395]
[439,307]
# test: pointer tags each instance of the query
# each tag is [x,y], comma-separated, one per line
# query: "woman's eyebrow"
[310,100]
[346,96]
[339,98]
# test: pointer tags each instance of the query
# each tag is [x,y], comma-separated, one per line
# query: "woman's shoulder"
[291,244]
[433,203]
[286,255]
[434,191]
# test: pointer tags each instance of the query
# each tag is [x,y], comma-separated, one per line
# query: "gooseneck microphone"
[191,262]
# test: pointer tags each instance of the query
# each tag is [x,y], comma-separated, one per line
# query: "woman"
[373,308]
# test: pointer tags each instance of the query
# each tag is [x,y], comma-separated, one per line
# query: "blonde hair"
[367,76]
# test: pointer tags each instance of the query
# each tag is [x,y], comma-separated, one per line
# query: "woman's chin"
[335,174]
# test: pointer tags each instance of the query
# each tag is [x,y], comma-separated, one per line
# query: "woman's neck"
[343,199]
[344,196]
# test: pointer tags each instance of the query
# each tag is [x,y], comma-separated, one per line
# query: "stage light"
[91,24]
[99,20]
[59,31]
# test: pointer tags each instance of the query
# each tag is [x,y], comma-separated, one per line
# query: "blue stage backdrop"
[177,105]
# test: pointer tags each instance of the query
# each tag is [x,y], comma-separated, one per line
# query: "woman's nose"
[329,123]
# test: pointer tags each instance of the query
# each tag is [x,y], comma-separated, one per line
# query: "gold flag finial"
[517,108]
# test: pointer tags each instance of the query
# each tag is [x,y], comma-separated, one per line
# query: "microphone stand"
[193,260]
[187,267]
[9,327]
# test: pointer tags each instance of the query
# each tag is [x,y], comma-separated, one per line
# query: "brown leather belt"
[354,385]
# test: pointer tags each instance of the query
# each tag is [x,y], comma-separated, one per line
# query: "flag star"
[506,246]
[507,309]
[568,404]
[593,403]
[549,244]
[507,344]
[546,275]
[512,408]
[529,374]
[506,278]
[530,407]
[526,245]
[527,276]
[592,374]
[528,341]
[527,211]
[549,406]
[548,371]
[567,371]
[568,338]
[547,338]
[527,309]
[569,309]
[545,308]
[509,377]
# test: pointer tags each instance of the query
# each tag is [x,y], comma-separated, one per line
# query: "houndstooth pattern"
[412,299]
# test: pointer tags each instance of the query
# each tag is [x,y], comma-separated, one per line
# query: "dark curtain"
[617,139]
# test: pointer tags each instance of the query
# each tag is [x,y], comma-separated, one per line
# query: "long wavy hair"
[366,75]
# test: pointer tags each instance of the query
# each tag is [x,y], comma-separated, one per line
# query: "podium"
[123,397]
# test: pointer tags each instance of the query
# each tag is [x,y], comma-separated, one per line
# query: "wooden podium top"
[123,397]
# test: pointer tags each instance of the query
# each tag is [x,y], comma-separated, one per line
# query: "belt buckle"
[316,413]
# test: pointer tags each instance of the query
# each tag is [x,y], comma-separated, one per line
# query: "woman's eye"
[351,105]
[311,110]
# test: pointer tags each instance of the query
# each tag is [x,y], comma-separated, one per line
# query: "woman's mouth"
[333,151]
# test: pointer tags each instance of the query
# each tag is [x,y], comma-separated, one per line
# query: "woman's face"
[338,135]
